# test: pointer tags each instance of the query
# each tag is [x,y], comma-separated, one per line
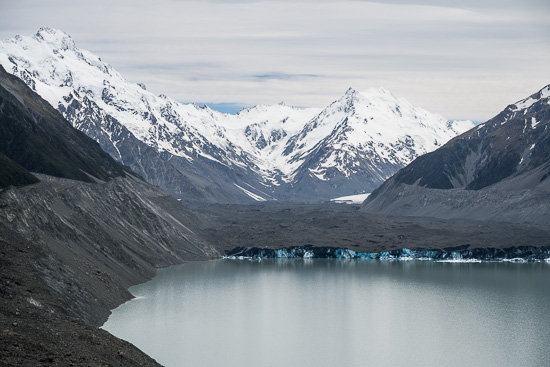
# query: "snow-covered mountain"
[499,170]
[261,153]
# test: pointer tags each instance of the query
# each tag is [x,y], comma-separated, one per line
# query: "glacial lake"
[295,312]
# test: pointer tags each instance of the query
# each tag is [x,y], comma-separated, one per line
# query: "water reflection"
[341,313]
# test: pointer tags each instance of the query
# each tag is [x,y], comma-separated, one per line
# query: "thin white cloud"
[461,60]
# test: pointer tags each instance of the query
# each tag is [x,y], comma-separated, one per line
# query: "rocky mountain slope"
[195,153]
[498,170]
[72,244]
[70,249]
[106,236]
[14,174]
[38,138]
[34,330]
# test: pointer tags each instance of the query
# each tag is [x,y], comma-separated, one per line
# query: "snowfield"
[349,147]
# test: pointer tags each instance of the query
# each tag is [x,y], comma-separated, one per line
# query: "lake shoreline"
[49,314]
[360,308]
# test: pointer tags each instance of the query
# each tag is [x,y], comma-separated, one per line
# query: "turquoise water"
[319,312]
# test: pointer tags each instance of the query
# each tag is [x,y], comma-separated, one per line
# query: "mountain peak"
[275,151]
[352,96]
[56,38]
[351,92]
[543,94]
[497,171]
[368,95]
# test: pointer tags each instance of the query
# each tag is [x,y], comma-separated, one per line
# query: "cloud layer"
[461,60]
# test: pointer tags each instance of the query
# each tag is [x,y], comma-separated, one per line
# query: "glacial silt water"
[341,313]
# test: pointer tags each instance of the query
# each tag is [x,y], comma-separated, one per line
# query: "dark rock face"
[70,250]
[38,138]
[495,171]
[514,142]
[461,253]
[72,244]
[14,174]
[118,232]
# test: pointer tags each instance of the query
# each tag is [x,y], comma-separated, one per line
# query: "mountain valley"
[102,183]
[198,154]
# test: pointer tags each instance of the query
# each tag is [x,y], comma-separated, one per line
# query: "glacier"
[454,254]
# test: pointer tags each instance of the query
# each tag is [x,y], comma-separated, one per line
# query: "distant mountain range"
[499,171]
[195,153]
[88,227]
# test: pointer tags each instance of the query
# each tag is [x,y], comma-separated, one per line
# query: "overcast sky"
[462,59]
